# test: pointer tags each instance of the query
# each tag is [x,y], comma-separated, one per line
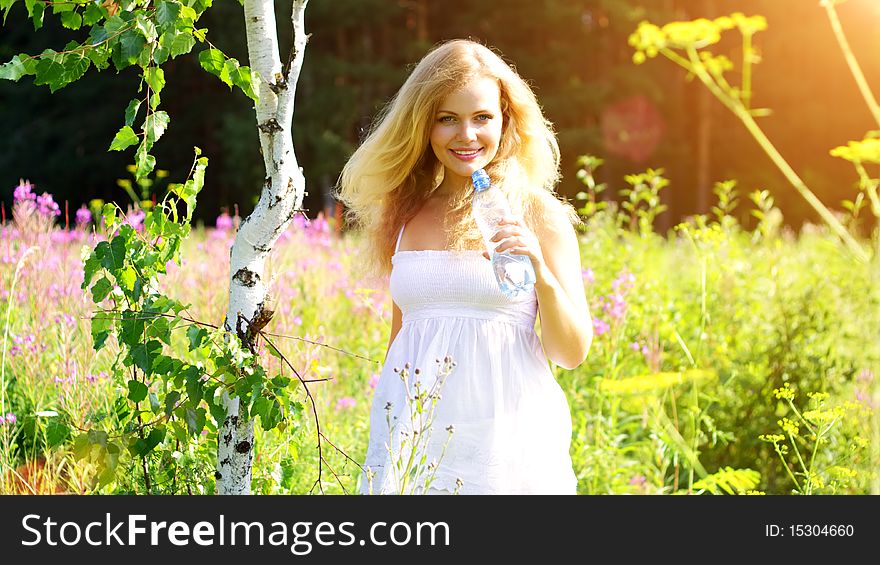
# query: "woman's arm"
[396,322]
[566,325]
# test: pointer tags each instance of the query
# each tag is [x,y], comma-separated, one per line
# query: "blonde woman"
[500,423]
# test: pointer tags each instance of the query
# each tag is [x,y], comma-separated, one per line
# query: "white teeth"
[466,153]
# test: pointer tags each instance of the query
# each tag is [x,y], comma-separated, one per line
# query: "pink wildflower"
[23,191]
[588,276]
[345,403]
[47,206]
[224,222]
[83,216]
[600,327]
[136,219]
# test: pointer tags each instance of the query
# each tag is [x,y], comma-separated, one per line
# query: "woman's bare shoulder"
[553,217]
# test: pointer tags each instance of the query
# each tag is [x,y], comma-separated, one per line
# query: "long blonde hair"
[394,171]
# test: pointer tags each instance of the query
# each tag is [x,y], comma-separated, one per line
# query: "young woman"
[499,422]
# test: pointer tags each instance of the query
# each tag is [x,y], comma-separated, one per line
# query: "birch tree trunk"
[282,196]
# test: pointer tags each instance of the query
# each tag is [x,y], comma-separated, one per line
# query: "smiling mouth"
[466,152]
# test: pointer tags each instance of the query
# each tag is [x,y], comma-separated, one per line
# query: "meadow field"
[731,355]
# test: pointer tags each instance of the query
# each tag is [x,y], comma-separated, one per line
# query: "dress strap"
[399,237]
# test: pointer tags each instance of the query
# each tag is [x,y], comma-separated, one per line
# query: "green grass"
[694,333]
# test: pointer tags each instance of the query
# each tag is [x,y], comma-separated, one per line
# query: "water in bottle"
[514,273]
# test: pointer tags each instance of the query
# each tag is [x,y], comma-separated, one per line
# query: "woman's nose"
[467,131]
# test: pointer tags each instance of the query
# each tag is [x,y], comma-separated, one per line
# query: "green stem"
[787,468]
[801,461]
[9,304]
[869,185]
[851,61]
[747,70]
[746,118]
[801,418]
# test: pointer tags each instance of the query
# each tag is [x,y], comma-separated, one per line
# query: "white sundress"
[511,420]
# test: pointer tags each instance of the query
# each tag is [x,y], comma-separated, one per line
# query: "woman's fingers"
[510,231]
[510,243]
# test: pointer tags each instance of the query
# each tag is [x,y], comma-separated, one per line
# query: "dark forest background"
[574,53]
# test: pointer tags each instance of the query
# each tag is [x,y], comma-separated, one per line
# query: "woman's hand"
[513,235]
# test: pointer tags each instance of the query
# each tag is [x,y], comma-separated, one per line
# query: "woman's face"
[467,128]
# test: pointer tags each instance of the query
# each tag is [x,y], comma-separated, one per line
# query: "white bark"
[282,195]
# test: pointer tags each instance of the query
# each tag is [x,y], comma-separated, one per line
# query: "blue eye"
[446,119]
[484,117]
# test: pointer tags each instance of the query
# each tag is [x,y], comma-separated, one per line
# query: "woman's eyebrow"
[454,114]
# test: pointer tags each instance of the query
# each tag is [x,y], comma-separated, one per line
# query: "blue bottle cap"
[481,180]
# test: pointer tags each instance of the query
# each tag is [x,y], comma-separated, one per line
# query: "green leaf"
[114,25]
[101,289]
[102,325]
[62,7]
[273,351]
[108,213]
[218,412]
[194,385]
[81,446]
[75,66]
[92,14]
[192,187]
[155,125]
[195,420]
[155,438]
[144,161]
[5,5]
[213,61]
[131,111]
[181,44]
[170,400]
[114,259]
[49,69]
[166,14]
[137,390]
[131,328]
[126,52]
[125,137]
[93,263]
[243,78]
[163,364]
[35,10]
[13,70]
[188,16]
[56,432]
[269,412]
[179,431]
[155,407]
[161,328]
[145,354]
[99,56]
[146,28]
[196,336]
[126,278]
[71,20]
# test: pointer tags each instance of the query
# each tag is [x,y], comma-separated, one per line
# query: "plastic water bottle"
[514,273]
